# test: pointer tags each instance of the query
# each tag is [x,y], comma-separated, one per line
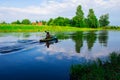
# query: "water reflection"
[77,37]
[81,39]
[48,43]
[26,35]
[62,35]
[86,43]
[90,38]
[103,38]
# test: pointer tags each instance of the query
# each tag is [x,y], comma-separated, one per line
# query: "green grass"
[109,70]
[112,28]
[34,28]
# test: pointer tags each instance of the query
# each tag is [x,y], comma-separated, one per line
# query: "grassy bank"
[112,28]
[110,70]
[34,28]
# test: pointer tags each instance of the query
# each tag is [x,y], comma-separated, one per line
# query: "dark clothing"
[48,35]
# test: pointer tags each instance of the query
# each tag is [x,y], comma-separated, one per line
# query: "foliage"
[92,19]
[78,20]
[109,70]
[67,22]
[59,21]
[16,22]
[3,22]
[104,20]
[112,27]
[37,21]
[50,22]
[26,21]
[86,23]
[43,22]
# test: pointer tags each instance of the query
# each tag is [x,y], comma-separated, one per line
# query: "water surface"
[22,57]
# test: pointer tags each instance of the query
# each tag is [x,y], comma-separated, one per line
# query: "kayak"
[51,39]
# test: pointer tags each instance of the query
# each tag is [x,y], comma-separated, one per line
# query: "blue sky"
[11,10]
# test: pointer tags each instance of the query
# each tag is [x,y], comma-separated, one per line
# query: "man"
[48,36]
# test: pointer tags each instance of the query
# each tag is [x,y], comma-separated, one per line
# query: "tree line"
[27,21]
[79,20]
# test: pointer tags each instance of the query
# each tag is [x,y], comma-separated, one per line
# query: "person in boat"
[48,36]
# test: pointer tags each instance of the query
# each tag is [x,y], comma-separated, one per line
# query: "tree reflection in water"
[77,37]
[103,37]
[90,37]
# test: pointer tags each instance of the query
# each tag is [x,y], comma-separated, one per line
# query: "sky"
[12,10]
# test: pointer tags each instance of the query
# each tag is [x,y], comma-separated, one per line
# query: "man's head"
[47,32]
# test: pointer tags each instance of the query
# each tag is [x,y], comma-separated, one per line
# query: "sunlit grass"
[35,28]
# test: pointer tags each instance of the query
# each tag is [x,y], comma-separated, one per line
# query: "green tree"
[50,22]
[92,19]
[26,21]
[16,22]
[67,22]
[86,22]
[104,20]
[43,22]
[3,22]
[37,21]
[59,21]
[78,20]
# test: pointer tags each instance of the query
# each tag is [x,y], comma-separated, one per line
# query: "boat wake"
[8,47]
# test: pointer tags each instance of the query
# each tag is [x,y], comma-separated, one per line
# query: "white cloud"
[42,58]
[27,10]
[66,8]
[69,52]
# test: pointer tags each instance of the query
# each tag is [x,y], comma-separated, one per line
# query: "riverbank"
[109,70]
[35,28]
